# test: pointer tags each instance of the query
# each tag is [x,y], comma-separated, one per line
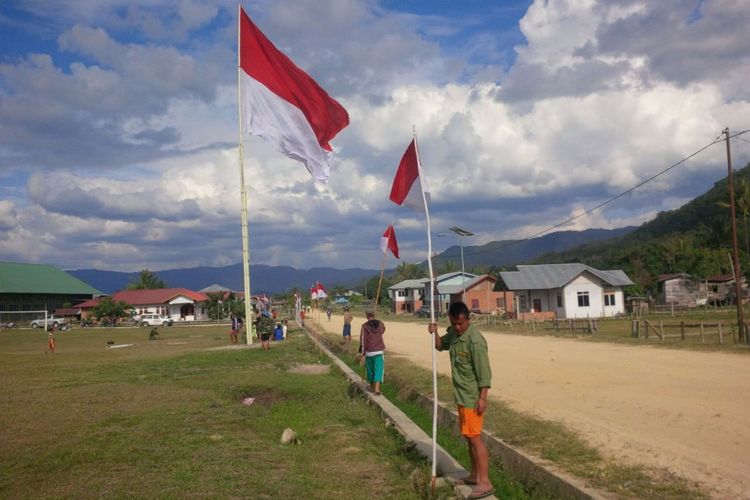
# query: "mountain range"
[277,279]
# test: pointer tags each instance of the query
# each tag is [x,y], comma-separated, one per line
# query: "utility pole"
[735,250]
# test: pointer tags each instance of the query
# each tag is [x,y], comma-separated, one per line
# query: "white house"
[565,291]
[406,296]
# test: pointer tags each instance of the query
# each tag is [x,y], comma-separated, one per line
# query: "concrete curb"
[446,465]
[527,468]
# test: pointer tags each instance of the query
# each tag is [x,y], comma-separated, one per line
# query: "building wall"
[582,285]
[408,304]
[481,297]
[36,302]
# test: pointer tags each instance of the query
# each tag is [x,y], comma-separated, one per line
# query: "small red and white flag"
[388,241]
[321,291]
[314,292]
[284,105]
[410,181]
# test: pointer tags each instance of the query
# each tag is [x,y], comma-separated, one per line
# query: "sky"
[119,124]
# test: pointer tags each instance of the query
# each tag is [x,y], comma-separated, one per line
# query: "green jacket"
[470,364]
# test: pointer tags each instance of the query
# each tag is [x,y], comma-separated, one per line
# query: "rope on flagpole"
[243,194]
[432,312]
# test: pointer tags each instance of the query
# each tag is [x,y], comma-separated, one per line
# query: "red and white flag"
[388,241]
[410,181]
[321,291]
[314,292]
[284,105]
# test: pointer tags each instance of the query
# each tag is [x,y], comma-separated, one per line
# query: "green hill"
[695,238]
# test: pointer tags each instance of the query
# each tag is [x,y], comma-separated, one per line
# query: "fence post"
[703,339]
[661,330]
[671,304]
[533,325]
[721,336]
[682,330]
[634,328]
[645,327]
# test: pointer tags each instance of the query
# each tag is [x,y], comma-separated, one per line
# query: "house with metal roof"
[479,295]
[565,291]
[180,304]
[39,287]
[407,295]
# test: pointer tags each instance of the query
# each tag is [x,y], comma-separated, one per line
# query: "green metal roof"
[39,278]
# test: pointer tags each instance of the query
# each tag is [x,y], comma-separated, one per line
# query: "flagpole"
[380,282]
[243,197]
[432,313]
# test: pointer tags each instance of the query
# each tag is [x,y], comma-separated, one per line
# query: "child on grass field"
[51,339]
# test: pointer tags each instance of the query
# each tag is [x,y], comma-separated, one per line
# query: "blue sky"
[118,123]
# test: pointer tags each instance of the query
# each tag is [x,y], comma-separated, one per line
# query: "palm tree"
[146,281]
[406,271]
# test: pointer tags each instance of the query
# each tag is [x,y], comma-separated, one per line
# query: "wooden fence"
[683,330]
[581,325]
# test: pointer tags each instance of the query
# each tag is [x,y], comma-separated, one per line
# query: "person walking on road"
[373,349]
[471,376]
[347,331]
[234,330]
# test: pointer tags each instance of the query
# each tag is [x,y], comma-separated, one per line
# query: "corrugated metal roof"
[156,296]
[39,278]
[451,289]
[549,276]
[401,285]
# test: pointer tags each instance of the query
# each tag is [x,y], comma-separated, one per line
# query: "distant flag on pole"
[321,291]
[314,293]
[284,105]
[388,241]
[410,181]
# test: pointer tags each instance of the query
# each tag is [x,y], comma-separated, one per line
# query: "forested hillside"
[695,238]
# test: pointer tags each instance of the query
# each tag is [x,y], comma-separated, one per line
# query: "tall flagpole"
[432,312]
[380,282]
[243,196]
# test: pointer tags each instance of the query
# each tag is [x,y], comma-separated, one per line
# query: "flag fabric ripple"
[410,181]
[388,241]
[284,105]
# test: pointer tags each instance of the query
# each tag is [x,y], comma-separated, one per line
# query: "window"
[559,301]
[609,299]
[500,302]
[583,299]
[401,293]
[475,303]
[537,305]
[522,303]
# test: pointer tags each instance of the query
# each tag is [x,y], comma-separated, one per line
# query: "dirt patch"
[264,396]
[310,369]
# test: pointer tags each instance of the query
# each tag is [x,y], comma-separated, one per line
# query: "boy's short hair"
[457,309]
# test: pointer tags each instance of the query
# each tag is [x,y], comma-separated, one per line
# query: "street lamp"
[461,234]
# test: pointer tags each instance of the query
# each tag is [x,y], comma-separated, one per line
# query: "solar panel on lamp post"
[461,234]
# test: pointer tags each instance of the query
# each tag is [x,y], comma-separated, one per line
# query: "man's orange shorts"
[469,422]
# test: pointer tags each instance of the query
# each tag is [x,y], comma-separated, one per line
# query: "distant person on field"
[472,377]
[347,331]
[234,328]
[278,333]
[51,339]
[302,318]
[265,329]
[285,328]
[373,349]
[328,313]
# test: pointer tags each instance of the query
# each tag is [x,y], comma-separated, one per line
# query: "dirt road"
[686,411]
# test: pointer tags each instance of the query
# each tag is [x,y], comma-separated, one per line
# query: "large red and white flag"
[410,181]
[322,294]
[388,241]
[284,105]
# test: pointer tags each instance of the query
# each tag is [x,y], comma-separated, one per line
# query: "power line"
[718,139]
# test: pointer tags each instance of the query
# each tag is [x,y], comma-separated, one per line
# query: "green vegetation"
[165,419]
[111,310]
[146,281]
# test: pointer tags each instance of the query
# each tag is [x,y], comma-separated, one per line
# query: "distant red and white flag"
[322,294]
[410,181]
[284,105]
[314,292]
[388,241]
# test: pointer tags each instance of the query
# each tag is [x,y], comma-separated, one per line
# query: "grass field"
[164,419]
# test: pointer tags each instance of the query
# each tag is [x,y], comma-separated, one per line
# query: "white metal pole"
[243,196]
[463,273]
[432,312]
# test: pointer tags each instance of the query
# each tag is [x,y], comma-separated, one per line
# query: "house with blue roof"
[565,291]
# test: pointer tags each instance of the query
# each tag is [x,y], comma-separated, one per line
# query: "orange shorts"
[469,422]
